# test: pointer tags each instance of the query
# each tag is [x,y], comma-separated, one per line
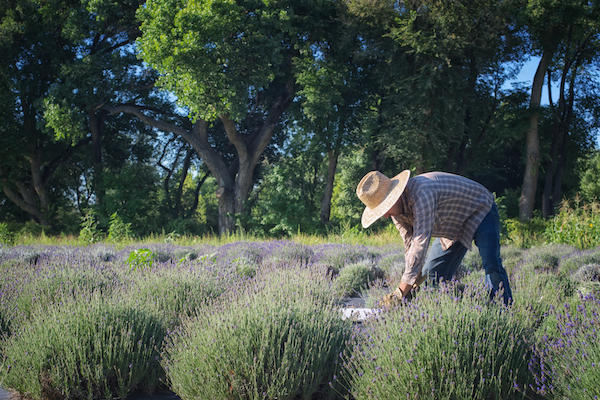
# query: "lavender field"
[262,320]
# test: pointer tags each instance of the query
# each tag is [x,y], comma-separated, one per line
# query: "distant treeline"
[197,116]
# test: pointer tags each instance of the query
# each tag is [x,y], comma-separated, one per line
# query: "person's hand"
[405,288]
[392,299]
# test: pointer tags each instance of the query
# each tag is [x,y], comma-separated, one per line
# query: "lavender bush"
[573,262]
[566,364]
[441,346]
[84,349]
[279,338]
[278,302]
[354,278]
[172,294]
[25,290]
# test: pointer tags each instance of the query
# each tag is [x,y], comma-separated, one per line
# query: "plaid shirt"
[438,205]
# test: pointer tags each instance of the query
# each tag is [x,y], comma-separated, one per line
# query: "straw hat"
[379,193]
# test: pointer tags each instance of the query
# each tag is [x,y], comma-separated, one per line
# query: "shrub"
[576,224]
[141,259]
[293,254]
[393,267]
[278,339]
[441,346]
[511,256]
[535,291]
[84,349]
[573,262]
[353,278]
[39,291]
[589,176]
[545,258]
[340,256]
[525,234]
[7,237]
[89,232]
[173,294]
[472,262]
[566,364]
[118,229]
[587,273]
[102,253]
[185,256]
[245,267]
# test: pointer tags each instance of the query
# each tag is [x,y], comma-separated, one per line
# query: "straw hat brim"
[397,186]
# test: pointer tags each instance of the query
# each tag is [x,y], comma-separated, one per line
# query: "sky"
[526,76]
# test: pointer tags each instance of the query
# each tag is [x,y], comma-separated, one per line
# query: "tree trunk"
[95,122]
[39,186]
[565,128]
[197,194]
[326,201]
[180,188]
[226,211]
[526,203]
[25,200]
[233,191]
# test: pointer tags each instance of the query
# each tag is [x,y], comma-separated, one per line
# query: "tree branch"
[235,138]
[138,111]
[264,134]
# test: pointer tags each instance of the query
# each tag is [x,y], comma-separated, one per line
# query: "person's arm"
[405,230]
[424,210]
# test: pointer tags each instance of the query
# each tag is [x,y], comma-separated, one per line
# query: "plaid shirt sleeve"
[405,231]
[424,209]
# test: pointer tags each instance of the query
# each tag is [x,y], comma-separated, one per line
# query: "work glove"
[395,298]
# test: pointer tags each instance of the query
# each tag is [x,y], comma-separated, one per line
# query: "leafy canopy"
[215,55]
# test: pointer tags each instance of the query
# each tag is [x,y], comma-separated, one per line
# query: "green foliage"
[36,292]
[576,225]
[84,349]
[589,178]
[7,236]
[525,234]
[569,359]
[89,232]
[141,259]
[289,185]
[346,208]
[279,342]
[173,295]
[354,278]
[118,229]
[132,191]
[66,123]
[212,52]
[245,267]
[449,347]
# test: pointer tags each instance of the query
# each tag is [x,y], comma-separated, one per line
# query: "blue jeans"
[442,265]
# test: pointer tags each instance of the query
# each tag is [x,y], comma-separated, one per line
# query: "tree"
[332,97]
[103,68]
[33,49]
[548,23]
[232,64]
[576,68]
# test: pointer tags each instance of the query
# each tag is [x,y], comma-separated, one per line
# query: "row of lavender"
[262,320]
